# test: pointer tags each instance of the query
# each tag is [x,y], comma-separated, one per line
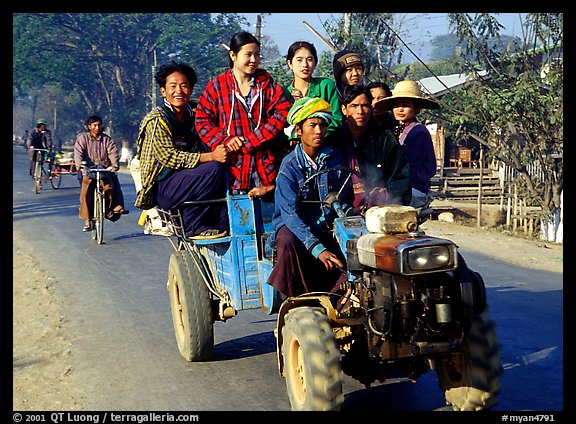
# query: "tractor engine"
[418,295]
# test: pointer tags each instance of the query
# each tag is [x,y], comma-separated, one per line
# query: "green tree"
[417,70]
[447,45]
[108,58]
[516,112]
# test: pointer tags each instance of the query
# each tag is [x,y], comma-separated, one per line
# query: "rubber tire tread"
[37,177]
[98,230]
[321,360]
[196,340]
[478,383]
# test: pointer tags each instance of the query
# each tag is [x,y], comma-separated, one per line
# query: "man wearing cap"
[309,258]
[406,102]
[39,138]
[348,69]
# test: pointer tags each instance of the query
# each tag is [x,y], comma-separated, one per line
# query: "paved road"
[117,306]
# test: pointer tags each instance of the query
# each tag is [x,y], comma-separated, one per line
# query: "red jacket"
[221,115]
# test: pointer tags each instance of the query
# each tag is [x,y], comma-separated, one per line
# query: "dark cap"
[344,59]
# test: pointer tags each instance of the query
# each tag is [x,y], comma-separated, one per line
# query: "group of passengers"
[249,135]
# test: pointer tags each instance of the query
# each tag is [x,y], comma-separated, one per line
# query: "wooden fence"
[518,214]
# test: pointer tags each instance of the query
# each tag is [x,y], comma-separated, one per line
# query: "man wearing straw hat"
[405,103]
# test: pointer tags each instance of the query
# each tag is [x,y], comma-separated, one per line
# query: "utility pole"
[258,27]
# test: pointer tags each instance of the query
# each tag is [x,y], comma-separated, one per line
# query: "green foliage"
[107,59]
[416,70]
[324,68]
[515,112]
[280,72]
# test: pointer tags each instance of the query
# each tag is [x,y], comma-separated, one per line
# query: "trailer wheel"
[191,307]
[471,379]
[312,366]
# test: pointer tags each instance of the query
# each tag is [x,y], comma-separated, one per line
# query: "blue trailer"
[211,280]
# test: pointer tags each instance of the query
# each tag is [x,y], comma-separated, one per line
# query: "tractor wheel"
[191,307]
[312,366]
[471,379]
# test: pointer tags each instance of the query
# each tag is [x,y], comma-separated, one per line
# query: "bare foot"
[260,191]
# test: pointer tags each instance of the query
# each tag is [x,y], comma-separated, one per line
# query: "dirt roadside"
[43,374]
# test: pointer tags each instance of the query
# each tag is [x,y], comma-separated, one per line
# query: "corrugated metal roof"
[435,88]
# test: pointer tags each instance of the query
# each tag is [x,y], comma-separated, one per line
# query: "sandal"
[87,227]
[209,234]
[121,211]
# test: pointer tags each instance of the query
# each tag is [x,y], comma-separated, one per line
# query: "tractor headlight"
[429,257]
[406,255]
[421,259]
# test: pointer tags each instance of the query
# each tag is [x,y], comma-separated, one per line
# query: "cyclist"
[95,148]
[39,138]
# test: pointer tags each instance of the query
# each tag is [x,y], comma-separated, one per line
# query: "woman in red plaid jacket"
[246,111]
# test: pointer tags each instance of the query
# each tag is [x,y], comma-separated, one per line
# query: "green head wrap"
[308,107]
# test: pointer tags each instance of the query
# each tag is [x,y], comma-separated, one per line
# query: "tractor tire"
[191,306]
[471,379]
[312,366]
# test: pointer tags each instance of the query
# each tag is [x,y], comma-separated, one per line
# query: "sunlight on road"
[532,357]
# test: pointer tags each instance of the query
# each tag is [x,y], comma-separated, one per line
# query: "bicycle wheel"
[98,232]
[55,175]
[45,175]
[37,177]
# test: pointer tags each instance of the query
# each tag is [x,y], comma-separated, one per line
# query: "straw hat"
[407,89]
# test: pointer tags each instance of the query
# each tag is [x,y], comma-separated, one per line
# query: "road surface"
[93,330]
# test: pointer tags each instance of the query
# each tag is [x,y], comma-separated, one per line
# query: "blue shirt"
[312,218]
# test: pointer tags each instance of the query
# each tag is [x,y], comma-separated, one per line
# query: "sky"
[418,29]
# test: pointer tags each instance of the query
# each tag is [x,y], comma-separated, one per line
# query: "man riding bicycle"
[97,149]
[39,138]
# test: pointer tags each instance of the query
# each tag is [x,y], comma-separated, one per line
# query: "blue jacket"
[312,218]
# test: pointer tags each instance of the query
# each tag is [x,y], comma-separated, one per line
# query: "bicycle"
[99,203]
[42,174]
